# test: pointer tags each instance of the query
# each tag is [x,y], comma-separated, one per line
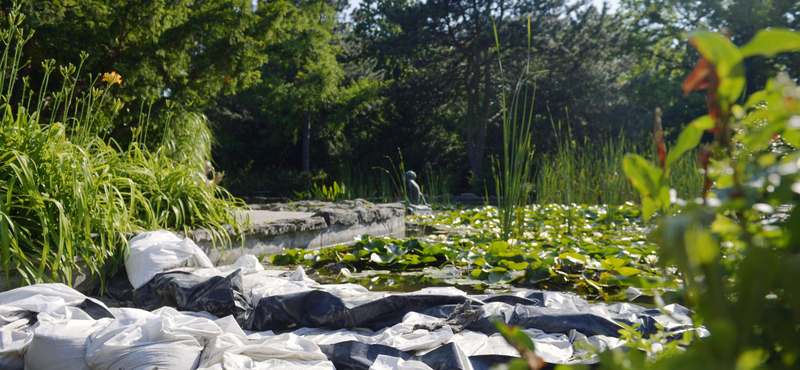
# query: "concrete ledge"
[307,225]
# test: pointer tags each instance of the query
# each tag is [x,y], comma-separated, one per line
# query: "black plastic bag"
[218,295]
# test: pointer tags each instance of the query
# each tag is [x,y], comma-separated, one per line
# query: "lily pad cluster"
[595,251]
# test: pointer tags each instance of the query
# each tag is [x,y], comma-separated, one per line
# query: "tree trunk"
[478,111]
[306,167]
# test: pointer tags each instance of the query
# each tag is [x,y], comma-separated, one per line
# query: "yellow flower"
[112,78]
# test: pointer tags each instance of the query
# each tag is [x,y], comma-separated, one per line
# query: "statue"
[415,196]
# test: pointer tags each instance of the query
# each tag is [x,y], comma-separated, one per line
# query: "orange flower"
[112,78]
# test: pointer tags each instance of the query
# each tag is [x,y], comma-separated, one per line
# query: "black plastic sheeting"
[218,295]
[224,295]
[320,309]
[95,310]
[360,356]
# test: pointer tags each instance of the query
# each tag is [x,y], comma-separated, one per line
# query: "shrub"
[70,195]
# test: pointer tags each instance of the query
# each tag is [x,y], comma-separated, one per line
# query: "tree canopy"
[305,86]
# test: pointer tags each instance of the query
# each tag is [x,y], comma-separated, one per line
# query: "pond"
[597,252]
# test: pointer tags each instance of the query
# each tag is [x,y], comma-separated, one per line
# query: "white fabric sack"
[383,362]
[248,263]
[14,338]
[16,303]
[61,344]
[16,306]
[140,340]
[154,252]
[232,361]
[287,347]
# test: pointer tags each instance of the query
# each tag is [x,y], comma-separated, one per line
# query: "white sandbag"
[14,339]
[16,303]
[248,263]
[61,344]
[383,362]
[157,251]
[288,347]
[140,340]
[239,362]
[17,306]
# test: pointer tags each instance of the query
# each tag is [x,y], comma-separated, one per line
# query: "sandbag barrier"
[245,317]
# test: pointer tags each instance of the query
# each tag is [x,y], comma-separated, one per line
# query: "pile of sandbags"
[186,314]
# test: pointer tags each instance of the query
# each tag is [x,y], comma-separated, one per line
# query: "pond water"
[600,253]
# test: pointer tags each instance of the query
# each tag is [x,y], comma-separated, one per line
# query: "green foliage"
[523,344]
[70,198]
[397,175]
[513,176]
[590,172]
[598,259]
[331,193]
[303,83]
[739,273]
[184,51]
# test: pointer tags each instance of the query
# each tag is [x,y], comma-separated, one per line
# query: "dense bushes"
[70,196]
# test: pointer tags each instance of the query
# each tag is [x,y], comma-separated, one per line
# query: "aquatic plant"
[595,260]
[512,172]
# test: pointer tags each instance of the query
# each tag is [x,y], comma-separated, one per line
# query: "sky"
[599,3]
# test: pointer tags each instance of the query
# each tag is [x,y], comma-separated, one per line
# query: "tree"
[303,96]
[446,50]
[185,51]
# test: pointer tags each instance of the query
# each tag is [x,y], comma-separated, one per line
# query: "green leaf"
[704,248]
[645,177]
[627,271]
[727,61]
[689,138]
[518,364]
[649,181]
[497,247]
[771,42]
[511,265]
[382,257]
[497,276]
[514,336]
[611,263]
[478,274]
[282,259]
[573,257]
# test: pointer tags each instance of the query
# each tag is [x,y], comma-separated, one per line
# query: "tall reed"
[513,170]
[590,171]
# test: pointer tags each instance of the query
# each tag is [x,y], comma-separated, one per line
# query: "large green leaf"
[689,138]
[727,61]
[649,181]
[771,42]
[642,174]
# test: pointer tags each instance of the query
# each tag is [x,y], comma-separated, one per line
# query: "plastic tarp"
[217,295]
[245,317]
